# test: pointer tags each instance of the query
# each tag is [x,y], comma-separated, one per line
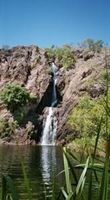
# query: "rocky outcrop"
[26,66]
[84,79]
[96,90]
[29,67]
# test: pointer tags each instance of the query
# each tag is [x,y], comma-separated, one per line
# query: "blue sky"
[58,22]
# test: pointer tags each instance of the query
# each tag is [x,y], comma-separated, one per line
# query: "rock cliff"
[29,67]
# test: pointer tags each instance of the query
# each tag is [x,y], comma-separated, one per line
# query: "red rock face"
[84,79]
[29,67]
[26,66]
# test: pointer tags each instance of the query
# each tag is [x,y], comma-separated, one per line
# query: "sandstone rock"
[96,90]
[38,80]
[87,55]
[86,73]
[78,53]
[29,67]
[26,66]
[4,113]
[76,85]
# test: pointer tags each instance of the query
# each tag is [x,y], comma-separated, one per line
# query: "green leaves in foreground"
[104,189]
[81,182]
[88,180]
[8,190]
[69,193]
[74,184]
[26,182]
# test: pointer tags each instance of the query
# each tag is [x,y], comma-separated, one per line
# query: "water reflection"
[48,159]
[42,164]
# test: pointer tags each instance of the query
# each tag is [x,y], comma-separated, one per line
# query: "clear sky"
[48,22]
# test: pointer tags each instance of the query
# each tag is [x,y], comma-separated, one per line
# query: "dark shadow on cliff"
[47,99]
[28,114]
[34,112]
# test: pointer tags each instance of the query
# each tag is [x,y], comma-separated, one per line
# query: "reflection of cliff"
[28,66]
[47,97]
[10,163]
[39,163]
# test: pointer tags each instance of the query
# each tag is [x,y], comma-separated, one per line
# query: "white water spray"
[50,128]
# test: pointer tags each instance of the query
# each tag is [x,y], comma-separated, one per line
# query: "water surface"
[42,165]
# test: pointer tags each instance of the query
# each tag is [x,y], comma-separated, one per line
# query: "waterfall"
[50,128]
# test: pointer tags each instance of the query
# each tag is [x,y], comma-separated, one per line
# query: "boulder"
[96,90]
[88,54]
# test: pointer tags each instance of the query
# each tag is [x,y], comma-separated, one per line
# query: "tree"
[64,56]
[5,47]
[14,96]
[87,115]
[93,45]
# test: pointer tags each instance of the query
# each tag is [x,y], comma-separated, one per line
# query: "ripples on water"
[42,164]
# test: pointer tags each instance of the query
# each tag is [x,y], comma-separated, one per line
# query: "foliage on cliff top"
[63,55]
[93,45]
[14,96]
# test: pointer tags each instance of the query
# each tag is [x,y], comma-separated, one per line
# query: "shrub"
[14,96]
[50,52]
[87,114]
[20,115]
[64,56]
[7,127]
[95,46]
[104,76]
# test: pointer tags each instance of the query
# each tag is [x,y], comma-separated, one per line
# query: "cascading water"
[50,128]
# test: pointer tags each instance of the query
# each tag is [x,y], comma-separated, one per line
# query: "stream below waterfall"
[42,164]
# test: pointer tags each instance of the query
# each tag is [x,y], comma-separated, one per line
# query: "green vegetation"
[14,96]
[92,45]
[7,127]
[17,100]
[8,191]
[87,177]
[104,76]
[87,114]
[20,114]
[64,56]
[86,173]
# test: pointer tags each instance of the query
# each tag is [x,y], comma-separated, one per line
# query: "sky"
[53,22]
